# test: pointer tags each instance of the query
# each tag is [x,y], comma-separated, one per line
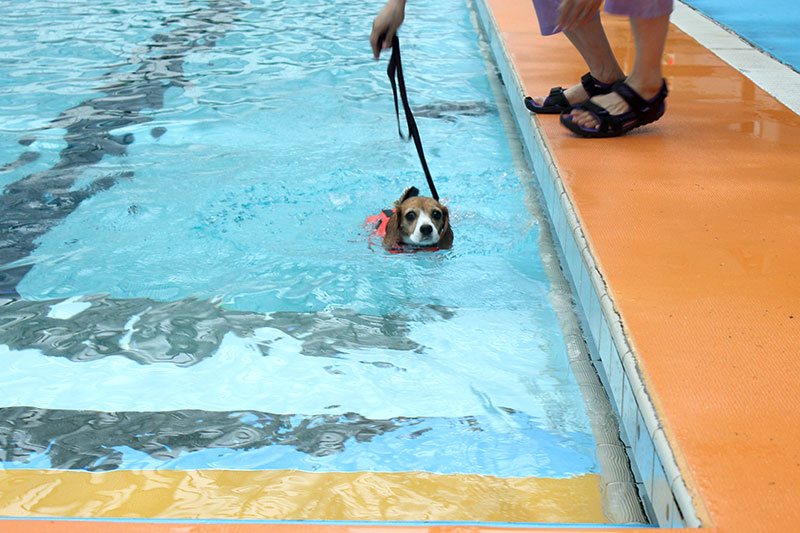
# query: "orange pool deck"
[694,225]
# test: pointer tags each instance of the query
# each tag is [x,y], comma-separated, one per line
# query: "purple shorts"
[547,11]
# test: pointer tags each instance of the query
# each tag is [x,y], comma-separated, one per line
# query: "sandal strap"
[590,84]
[593,86]
[606,120]
[641,112]
[641,108]
[634,100]
[556,98]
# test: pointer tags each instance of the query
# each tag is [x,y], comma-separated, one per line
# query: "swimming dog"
[415,223]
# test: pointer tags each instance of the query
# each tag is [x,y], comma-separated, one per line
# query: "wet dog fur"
[418,221]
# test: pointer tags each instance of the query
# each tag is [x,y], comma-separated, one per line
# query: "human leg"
[592,43]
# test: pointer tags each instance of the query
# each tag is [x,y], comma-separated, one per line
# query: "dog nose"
[427,229]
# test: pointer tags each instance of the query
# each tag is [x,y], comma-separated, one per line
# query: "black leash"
[396,69]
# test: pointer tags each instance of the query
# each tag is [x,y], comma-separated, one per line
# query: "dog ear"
[392,237]
[446,235]
[410,192]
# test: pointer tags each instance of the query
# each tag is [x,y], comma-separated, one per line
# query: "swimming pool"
[191,303]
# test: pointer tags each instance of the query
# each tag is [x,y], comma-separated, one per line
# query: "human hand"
[573,13]
[385,26]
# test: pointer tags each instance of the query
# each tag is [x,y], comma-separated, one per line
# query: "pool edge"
[671,501]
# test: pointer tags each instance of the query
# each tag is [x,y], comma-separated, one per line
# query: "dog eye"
[410,216]
[437,214]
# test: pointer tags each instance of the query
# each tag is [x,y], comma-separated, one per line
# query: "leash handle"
[396,70]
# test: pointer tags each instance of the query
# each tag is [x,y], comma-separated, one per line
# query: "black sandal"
[557,103]
[641,112]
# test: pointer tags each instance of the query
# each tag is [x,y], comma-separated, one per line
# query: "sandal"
[556,102]
[641,112]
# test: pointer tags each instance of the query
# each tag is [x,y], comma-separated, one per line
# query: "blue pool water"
[186,277]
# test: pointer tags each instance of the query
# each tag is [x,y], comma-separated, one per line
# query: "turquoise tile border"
[663,490]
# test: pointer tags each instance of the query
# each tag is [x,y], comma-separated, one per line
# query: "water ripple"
[186,331]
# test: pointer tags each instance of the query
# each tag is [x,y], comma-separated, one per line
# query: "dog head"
[419,221]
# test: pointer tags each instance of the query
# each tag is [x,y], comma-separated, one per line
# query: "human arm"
[385,25]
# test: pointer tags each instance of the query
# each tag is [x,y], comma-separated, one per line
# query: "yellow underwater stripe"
[296,495]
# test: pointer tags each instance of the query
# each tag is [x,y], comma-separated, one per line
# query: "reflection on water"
[450,111]
[328,384]
[36,203]
[184,332]
[95,441]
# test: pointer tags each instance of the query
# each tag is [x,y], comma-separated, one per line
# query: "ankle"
[608,75]
[646,88]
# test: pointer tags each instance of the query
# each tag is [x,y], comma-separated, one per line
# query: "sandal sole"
[597,134]
[546,109]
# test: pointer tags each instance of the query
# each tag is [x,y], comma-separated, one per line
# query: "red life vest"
[379,223]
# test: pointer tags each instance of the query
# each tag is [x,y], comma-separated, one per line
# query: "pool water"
[776,35]
[189,290]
